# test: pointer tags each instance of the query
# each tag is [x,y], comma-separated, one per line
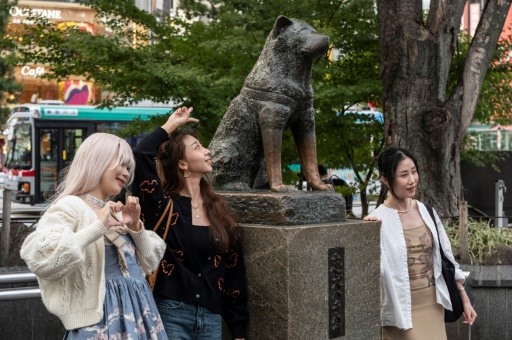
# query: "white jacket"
[395,288]
[67,252]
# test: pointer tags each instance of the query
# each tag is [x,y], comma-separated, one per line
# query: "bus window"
[48,145]
[113,127]
[19,155]
[49,157]
[110,127]
[73,138]
[21,109]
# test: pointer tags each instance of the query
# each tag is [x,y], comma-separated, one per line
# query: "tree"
[9,88]
[422,113]
[363,140]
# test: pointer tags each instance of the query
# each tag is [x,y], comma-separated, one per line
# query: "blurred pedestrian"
[35,97]
[337,182]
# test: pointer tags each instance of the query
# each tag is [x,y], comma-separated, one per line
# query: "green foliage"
[9,88]
[482,238]
[481,158]
[204,63]
[345,190]
[359,140]
[494,103]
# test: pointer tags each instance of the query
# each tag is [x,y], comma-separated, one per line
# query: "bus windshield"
[19,148]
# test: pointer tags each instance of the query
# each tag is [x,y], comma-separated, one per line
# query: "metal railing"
[18,293]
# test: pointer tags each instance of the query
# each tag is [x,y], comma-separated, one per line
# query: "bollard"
[6,228]
[499,221]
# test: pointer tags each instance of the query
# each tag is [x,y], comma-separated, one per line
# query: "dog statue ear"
[281,23]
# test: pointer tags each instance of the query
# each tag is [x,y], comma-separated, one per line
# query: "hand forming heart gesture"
[130,214]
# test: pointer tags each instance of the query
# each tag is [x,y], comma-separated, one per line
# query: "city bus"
[43,139]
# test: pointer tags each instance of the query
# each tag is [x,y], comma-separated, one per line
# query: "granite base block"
[288,280]
[293,208]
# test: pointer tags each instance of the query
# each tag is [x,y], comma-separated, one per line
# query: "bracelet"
[461,288]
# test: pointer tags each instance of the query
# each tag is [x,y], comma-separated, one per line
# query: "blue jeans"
[188,322]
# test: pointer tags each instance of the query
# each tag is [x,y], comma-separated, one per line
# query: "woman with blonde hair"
[201,277]
[90,254]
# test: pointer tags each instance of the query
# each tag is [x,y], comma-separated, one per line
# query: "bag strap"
[431,212]
[168,208]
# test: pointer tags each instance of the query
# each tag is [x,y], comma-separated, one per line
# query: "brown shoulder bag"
[168,209]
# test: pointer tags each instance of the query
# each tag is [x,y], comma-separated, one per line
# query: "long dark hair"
[388,162]
[223,228]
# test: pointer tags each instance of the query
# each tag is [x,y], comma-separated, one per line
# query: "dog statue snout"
[317,45]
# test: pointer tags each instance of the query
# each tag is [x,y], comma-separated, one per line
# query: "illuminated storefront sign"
[31,76]
[35,12]
[32,71]
[18,13]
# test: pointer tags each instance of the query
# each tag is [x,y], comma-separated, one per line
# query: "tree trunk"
[364,203]
[419,116]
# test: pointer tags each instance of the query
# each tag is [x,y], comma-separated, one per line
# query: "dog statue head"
[297,35]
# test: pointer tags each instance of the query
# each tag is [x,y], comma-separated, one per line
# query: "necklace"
[399,211]
[94,200]
[195,208]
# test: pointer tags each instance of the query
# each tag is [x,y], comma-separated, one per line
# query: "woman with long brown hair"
[201,277]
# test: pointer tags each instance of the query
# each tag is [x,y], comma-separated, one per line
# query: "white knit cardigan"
[67,252]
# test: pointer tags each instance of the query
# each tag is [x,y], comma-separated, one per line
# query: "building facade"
[74,90]
[65,13]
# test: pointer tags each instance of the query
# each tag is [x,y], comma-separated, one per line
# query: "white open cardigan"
[67,252]
[395,288]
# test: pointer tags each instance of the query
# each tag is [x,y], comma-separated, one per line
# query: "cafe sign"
[32,71]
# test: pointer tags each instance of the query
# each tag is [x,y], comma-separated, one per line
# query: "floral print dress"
[129,311]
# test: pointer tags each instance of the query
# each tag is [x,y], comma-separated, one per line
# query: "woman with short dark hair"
[413,290]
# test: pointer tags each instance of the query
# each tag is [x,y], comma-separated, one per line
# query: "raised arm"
[146,184]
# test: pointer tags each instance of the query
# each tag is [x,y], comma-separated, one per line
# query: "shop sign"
[18,13]
[32,71]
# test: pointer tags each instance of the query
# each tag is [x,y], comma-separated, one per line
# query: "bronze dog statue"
[277,94]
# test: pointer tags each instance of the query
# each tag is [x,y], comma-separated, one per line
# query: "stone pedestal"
[294,208]
[312,281]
